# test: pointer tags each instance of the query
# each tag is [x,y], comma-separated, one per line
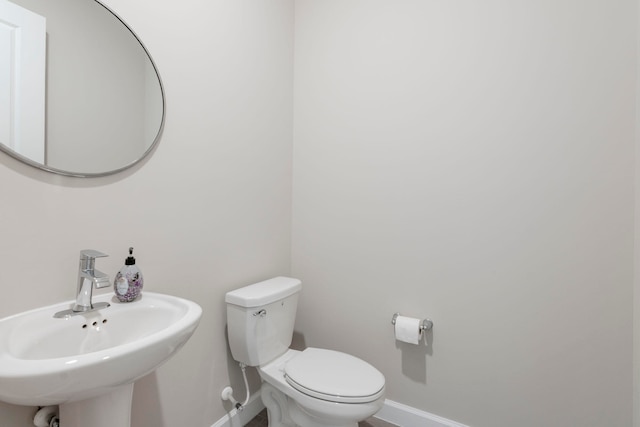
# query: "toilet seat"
[334,376]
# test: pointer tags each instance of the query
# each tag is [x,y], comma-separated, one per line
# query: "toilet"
[310,388]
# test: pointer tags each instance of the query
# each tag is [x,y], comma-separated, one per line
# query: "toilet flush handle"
[261,313]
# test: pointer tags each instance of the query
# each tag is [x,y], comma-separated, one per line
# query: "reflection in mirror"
[103,99]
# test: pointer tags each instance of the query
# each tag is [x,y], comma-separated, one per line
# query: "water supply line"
[47,417]
[227,392]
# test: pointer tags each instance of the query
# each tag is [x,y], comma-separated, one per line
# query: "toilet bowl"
[310,388]
[328,388]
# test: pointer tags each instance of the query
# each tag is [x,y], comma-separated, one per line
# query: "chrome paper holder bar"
[425,325]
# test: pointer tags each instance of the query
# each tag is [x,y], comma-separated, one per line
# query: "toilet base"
[285,412]
[277,406]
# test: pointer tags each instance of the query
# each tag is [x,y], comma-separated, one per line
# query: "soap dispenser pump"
[128,281]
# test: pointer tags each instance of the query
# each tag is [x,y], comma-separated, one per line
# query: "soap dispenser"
[128,281]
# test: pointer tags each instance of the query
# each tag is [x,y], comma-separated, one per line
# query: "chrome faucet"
[88,277]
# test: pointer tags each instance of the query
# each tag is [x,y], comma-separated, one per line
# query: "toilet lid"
[334,376]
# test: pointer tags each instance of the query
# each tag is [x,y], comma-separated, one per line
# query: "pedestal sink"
[88,363]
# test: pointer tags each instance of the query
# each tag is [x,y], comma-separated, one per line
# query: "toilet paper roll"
[408,330]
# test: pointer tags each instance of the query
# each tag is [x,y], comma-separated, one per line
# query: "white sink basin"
[48,361]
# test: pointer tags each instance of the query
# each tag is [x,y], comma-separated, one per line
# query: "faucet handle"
[88,259]
[91,254]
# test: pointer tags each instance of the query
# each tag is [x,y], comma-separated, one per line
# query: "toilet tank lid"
[264,292]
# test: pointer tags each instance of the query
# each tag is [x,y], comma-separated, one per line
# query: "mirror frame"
[151,147]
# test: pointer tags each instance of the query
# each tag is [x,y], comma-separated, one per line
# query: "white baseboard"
[392,412]
[237,418]
[406,416]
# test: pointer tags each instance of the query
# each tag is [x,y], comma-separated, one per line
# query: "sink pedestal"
[108,410]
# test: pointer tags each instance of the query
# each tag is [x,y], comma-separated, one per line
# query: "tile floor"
[261,420]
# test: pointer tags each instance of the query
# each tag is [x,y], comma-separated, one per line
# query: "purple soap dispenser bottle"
[128,282]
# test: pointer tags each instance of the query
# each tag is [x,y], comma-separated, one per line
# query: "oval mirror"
[79,93]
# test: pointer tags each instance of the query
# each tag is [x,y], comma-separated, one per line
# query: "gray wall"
[209,211]
[471,162]
[468,161]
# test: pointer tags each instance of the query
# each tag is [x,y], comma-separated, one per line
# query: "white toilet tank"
[260,319]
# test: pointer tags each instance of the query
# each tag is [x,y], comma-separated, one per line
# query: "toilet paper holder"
[425,325]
